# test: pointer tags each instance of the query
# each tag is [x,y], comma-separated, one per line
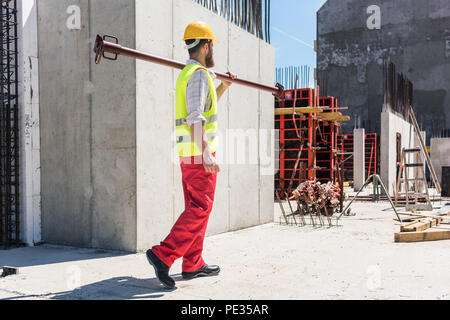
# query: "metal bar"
[102,46]
[281,206]
[375,176]
[309,210]
[290,207]
[319,214]
[300,212]
[326,212]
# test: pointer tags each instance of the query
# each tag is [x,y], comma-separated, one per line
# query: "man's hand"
[228,84]
[209,161]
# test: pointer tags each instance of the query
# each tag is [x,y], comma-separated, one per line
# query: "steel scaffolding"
[9,126]
[345,145]
[307,144]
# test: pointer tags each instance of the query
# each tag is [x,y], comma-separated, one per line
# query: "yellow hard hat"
[199,30]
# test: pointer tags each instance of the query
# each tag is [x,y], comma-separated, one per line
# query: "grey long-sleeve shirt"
[198,98]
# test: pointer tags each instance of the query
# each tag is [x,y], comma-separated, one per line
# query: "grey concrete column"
[359,165]
[29,123]
[440,155]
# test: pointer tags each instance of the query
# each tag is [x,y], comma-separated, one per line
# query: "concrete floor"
[358,260]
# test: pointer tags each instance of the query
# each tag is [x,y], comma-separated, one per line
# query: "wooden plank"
[425,215]
[432,212]
[334,108]
[330,115]
[412,223]
[334,117]
[422,236]
[288,111]
[420,225]
[343,119]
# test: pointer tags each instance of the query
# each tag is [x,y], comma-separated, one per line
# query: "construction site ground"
[357,260]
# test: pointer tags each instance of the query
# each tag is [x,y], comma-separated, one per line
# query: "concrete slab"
[29,154]
[266,133]
[113,130]
[65,124]
[273,264]
[242,138]
[391,125]
[154,124]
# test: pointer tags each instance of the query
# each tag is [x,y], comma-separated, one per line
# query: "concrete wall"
[392,124]
[350,57]
[440,155]
[359,158]
[110,176]
[244,192]
[30,168]
[155,96]
[87,126]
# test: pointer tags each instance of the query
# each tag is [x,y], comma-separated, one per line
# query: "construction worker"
[196,130]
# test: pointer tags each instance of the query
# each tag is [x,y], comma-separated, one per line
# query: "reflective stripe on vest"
[185,144]
[182,122]
[184,139]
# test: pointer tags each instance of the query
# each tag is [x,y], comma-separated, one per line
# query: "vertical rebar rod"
[3,225]
[9,126]
[16,126]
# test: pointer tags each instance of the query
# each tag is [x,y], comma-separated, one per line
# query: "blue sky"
[293,31]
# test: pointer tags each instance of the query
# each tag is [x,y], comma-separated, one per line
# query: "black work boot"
[204,271]
[161,270]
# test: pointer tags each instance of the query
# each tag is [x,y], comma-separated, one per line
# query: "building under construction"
[381,84]
[79,164]
[73,135]
[89,163]
[351,51]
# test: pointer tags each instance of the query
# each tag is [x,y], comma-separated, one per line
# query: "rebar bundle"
[287,76]
[9,126]
[315,191]
[398,91]
[247,14]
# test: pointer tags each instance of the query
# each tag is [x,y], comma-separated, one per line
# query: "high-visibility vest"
[185,141]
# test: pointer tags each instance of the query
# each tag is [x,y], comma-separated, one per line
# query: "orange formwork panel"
[307,143]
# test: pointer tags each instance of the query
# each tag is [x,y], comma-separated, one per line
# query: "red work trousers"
[187,235]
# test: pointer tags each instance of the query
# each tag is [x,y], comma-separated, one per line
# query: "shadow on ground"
[118,288]
[50,254]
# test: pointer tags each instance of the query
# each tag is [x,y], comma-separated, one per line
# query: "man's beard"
[209,60]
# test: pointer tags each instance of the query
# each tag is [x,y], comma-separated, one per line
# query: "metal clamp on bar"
[116,41]
[280,91]
[99,48]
